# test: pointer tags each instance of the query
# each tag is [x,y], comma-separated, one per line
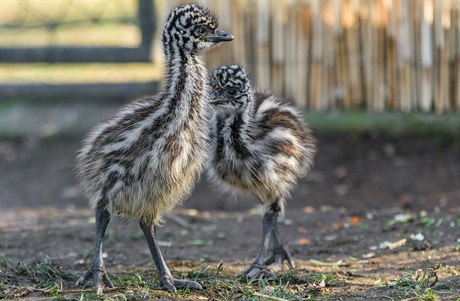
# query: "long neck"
[232,132]
[185,88]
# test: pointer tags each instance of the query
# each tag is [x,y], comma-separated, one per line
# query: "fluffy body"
[259,142]
[146,158]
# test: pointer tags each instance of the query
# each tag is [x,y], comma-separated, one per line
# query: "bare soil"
[348,218]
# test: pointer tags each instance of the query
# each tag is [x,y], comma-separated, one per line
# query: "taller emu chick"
[261,145]
[146,158]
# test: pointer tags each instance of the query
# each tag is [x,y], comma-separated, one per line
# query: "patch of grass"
[279,291]
[317,279]
[424,219]
[421,219]
[417,284]
[44,270]
[457,245]
[47,280]
[40,275]
[219,283]
[389,123]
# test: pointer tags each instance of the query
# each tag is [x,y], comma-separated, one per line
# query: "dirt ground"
[374,211]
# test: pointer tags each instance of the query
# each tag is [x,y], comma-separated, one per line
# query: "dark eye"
[232,92]
[200,30]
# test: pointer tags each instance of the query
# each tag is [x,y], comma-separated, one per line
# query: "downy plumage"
[146,158]
[259,145]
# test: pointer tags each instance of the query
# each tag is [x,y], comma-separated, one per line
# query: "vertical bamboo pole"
[367,32]
[290,55]
[404,52]
[378,38]
[327,81]
[304,24]
[315,79]
[440,52]
[426,56]
[417,8]
[250,20]
[343,91]
[362,73]
[391,72]
[411,57]
[447,24]
[351,42]
[238,27]
[225,53]
[278,37]
[263,48]
[455,27]
[325,61]
[336,72]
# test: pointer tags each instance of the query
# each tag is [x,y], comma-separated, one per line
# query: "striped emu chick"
[146,158]
[259,145]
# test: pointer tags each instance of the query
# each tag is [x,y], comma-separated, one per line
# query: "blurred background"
[384,55]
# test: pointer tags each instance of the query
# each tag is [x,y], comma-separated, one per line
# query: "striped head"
[192,27]
[230,89]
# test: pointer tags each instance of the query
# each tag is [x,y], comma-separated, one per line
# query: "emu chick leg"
[97,267]
[279,251]
[258,268]
[166,279]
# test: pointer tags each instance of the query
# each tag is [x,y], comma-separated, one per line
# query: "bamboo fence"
[381,55]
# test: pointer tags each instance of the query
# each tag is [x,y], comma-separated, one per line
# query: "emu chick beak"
[219,36]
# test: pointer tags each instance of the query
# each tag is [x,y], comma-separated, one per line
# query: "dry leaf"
[308,209]
[354,220]
[303,241]
[397,244]
[338,225]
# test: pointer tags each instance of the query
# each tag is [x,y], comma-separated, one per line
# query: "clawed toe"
[255,272]
[178,283]
[168,284]
[172,285]
[98,275]
[279,256]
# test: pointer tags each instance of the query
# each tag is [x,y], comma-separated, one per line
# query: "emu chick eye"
[232,92]
[200,30]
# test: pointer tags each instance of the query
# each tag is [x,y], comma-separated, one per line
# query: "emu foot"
[99,275]
[257,271]
[279,255]
[171,284]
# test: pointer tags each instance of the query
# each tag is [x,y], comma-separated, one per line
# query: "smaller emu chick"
[261,145]
[147,157]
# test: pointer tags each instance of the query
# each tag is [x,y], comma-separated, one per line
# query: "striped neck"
[185,85]
[244,117]
[233,131]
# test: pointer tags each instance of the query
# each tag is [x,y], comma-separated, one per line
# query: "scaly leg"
[166,279]
[279,251]
[97,267]
[258,267]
